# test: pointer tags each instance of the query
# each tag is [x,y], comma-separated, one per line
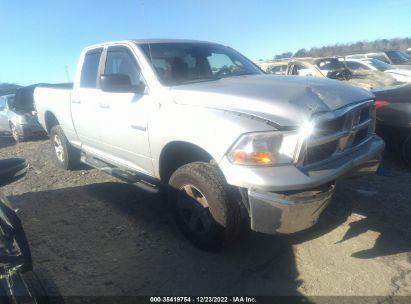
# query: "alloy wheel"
[14,133]
[193,209]
[58,147]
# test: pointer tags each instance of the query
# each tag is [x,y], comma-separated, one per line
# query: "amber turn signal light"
[243,157]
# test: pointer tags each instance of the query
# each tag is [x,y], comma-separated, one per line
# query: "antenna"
[67,74]
[147,27]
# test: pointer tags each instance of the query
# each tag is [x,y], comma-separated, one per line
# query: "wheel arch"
[50,121]
[178,153]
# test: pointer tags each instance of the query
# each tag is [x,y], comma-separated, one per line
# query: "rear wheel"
[66,155]
[204,208]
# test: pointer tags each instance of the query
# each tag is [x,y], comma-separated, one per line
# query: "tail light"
[380,103]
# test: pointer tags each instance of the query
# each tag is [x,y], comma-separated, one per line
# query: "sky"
[41,40]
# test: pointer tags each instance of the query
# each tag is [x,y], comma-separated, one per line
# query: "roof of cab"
[146,41]
[153,41]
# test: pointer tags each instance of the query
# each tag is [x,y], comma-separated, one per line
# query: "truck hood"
[282,100]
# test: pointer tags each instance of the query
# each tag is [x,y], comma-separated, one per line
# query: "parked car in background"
[393,105]
[396,58]
[277,68]
[331,67]
[148,111]
[367,64]
[18,116]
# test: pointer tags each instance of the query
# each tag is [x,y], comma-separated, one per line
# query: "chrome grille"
[337,133]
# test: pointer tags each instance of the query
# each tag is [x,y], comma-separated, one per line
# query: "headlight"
[268,148]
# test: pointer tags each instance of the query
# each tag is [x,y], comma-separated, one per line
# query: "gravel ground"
[94,235]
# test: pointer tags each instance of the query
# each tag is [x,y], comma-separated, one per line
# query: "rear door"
[125,115]
[85,101]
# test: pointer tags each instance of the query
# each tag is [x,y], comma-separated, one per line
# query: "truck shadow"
[380,203]
[6,141]
[113,239]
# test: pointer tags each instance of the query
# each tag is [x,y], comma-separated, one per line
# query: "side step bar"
[137,179]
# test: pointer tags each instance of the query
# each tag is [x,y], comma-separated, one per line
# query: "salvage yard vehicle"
[276,67]
[228,142]
[372,64]
[18,282]
[18,117]
[396,58]
[332,67]
[394,117]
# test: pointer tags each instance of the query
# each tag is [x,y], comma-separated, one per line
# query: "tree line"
[8,88]
[342,49]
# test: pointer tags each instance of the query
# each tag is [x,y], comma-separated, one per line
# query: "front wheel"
[66,155]
[204,207]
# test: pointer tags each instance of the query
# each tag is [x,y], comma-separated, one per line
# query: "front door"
[125,115]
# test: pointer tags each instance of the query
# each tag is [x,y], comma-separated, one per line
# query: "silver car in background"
[18,117]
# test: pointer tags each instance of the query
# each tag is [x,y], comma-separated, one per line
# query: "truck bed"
[55,100]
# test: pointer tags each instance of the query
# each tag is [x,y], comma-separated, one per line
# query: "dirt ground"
[94,235]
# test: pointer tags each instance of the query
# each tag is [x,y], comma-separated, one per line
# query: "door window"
[121,61]
[90,69]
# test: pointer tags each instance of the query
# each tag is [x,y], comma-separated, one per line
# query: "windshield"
[330,65]
[398,57]
[181,63]
[379,65]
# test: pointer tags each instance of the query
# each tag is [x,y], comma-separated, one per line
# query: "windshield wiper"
[199,79]
[242,74]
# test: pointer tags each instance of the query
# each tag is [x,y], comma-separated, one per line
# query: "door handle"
[104,105]
[78,101]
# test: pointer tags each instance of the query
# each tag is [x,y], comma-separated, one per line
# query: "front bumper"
[288,177]
[281,213]
[287,199]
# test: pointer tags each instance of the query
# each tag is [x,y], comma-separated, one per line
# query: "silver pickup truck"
[228,142]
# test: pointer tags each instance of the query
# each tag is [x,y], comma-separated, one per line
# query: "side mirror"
[119,83]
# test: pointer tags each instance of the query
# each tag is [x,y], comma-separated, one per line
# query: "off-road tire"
[70,157]
[406,150]
[224,209]
[15,134]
